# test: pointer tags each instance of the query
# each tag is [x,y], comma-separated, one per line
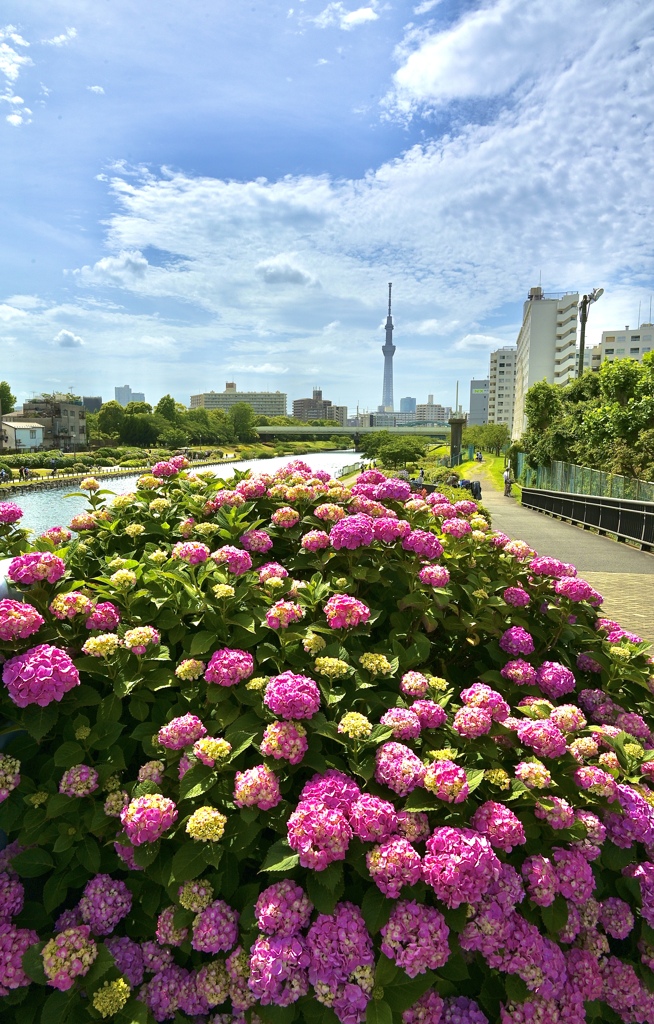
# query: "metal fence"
[564,477]
[622,518]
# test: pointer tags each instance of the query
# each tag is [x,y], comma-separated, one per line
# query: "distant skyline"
[215,192]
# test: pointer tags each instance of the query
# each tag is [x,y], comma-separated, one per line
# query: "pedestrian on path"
[507,482]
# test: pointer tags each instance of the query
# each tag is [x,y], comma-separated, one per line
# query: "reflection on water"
[52,508]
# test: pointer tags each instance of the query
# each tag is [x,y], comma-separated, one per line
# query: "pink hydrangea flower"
[166,932]
[67,956]
[403,722]
[447,781]
[80,780]
[283,909]
[10,513]
[12,895]
[191,551]
[413,825]
[57,534]
[456,527]
[392,489]
[540,878]
[332,788]
[138,640]
[181,732]
[519,672]
[285,517]
[215,929]
[236,560]
[254,487]
[557,812]
[423,543]
[482,696]
[315,540]
[616,917]
[257,541]
[472,721]
[224,499]
[146,818]
[500,825]
[104,616]
[278,969]
[434,576]
[36,567]
[345,612]
[517,640]
[544,738]
[352,532]
[372,819]
[283,614]
[18,620]
[516,596]
[393,864]
[459,865]
[67,606]
[597,781]
[414,684]
[291,695]
[229,667]
[257,787]
[555,679]
[164,469]
[398,768]
[272,570]
[543,565]
[39,676]
[319,834]
[285,740]
[416,938]
[388,529]
[105,901]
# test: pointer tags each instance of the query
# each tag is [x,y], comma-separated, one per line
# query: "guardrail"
[620,517]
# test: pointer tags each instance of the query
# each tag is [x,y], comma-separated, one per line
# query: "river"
[52,508]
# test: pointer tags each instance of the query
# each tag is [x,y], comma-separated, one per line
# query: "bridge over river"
[437,433]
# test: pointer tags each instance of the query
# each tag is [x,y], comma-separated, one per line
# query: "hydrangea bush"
[279,750]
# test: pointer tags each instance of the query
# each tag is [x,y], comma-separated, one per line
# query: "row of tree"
[491,437]
[604,420]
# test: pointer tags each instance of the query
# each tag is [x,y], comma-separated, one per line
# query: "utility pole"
[585,302]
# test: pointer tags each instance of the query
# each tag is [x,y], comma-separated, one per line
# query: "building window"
[608,351]
[32,434]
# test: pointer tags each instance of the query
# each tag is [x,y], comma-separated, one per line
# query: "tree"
[173,437]
[139,429]
[167,408]
[111,418]
[400,450]
[243,422]
[137,407]
[7,400]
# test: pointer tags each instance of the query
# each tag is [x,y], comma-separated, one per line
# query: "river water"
[52,508]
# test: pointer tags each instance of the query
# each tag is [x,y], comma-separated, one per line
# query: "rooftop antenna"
[540,278]
[456,401]
[390,285]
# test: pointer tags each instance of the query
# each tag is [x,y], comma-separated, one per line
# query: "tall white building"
[264,403]
[501,393]
[546,349]
[432,413]
[125,395]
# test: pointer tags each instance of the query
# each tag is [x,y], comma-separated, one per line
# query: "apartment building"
[501,385]
[319,408]
[264,403]
[479,391]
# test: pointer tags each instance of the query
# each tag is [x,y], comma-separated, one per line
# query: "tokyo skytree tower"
[388,348]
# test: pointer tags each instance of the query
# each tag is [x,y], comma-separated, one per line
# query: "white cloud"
[491,49]
[426,6]
[14,119]
[96,88]
[66,339]
[63,39]
[10,312]
[122,269]
[337,14]
[478,341]
[264,368]
[321,61]
[282,270]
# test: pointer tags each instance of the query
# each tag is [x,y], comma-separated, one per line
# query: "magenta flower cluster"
[39,676]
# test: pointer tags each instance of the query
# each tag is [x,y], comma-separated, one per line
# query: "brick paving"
[622,574]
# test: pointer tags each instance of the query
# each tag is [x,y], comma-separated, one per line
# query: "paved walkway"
[622,574]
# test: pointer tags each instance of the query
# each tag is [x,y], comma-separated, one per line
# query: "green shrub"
[256,728]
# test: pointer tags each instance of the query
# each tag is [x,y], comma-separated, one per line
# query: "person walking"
[507,482]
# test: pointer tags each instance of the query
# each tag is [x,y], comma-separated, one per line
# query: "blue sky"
[201,192]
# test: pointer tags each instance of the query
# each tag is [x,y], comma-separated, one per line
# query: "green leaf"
[55,1008]
[385,971]
[88,854]
[32,863]
[33,964]
[277,1014]
[404,991]
[280,857]
[455,969]
[475,778]
[421,800]
[110,709]
[134,1013]
[189,861]
[68,754]
[58,804]
[54,892]
[376,909]
[144,855]
[379,1013]
[196,781]
[516,990]
[323,899]
[614,858]
[555,916]
[102,963]
[202,642]
[39,721]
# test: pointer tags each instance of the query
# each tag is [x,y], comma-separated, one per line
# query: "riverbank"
[43,479]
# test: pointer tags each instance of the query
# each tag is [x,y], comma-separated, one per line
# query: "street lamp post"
[583,316]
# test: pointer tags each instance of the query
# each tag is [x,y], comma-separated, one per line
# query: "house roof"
[22,425]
